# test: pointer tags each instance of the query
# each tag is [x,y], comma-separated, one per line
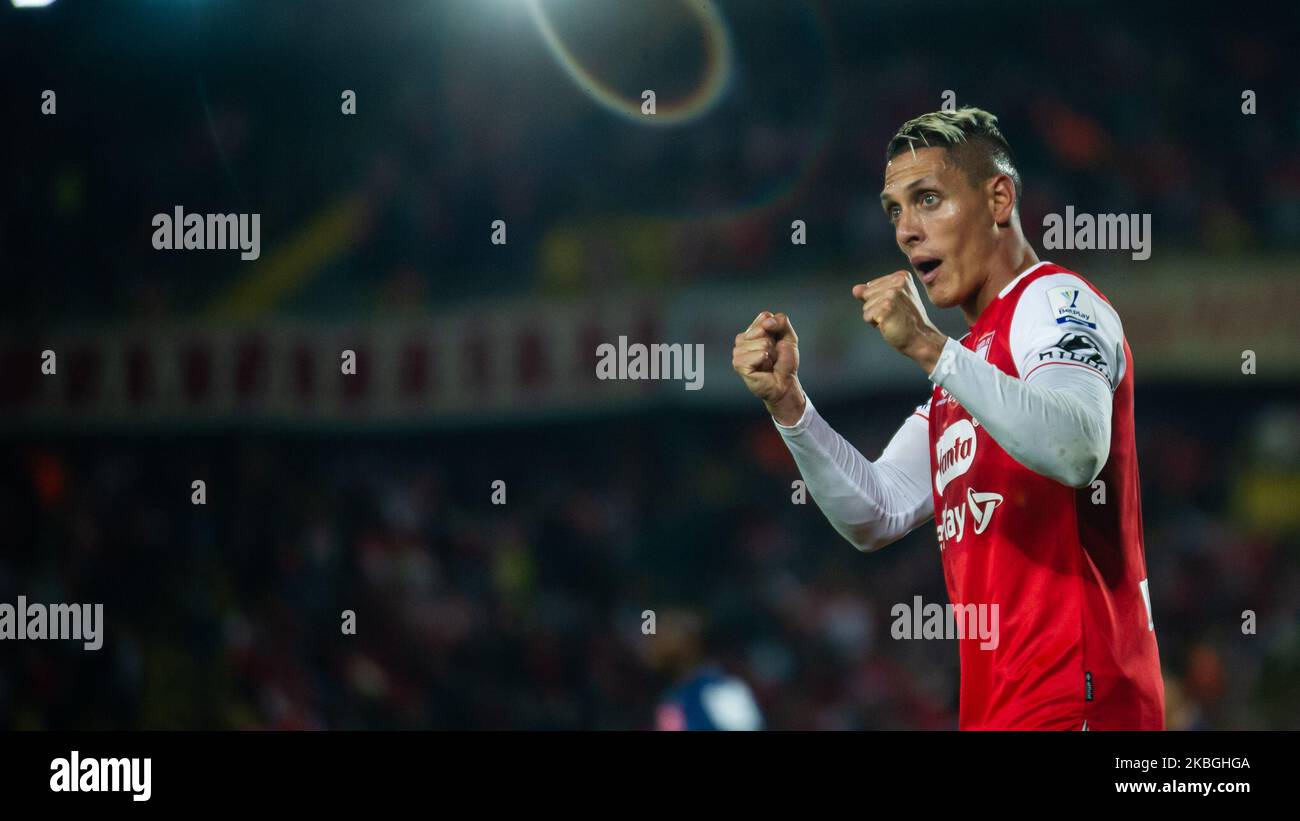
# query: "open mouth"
[928,268]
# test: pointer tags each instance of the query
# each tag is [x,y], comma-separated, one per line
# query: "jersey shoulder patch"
[1072,305]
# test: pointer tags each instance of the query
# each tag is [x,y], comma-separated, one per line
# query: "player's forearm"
[1058,427]
[869,504]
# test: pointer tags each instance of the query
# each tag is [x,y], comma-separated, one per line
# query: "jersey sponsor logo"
[952,521]
[1072,304]
[1077,348]
[952,525]
[954,452]
[981,507]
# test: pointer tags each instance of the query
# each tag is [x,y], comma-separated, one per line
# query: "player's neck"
[1004,270]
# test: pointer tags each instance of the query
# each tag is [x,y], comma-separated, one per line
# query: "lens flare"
[716,76]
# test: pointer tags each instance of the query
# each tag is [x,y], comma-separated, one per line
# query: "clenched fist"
[893,305]
[767,357]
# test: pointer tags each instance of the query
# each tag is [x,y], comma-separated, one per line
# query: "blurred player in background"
[1030,415]
[704,696]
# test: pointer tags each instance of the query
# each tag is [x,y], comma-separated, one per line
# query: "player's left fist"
[892,304]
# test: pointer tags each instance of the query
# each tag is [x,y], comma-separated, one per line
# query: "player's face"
[942,224]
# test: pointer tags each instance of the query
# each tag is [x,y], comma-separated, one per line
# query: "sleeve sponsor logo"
[1077,348]
[1072,305]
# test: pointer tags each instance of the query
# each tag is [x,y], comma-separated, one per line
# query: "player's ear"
[1002,198]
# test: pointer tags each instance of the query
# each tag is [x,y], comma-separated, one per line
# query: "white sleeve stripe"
[1088,368]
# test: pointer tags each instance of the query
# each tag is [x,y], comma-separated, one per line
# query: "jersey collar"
[1021,276]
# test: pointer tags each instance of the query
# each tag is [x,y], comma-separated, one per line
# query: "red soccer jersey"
[1066,568]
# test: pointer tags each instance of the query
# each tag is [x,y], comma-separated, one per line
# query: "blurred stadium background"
[476,361]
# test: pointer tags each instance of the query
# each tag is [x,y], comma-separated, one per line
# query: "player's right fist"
[766,356]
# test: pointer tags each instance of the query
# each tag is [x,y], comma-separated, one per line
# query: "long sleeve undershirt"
[1056,421]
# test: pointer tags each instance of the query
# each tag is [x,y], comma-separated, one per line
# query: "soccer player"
[1028,413]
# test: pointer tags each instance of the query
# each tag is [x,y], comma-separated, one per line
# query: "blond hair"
[971,137]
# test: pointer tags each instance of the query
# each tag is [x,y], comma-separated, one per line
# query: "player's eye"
[893,212]
[929,199]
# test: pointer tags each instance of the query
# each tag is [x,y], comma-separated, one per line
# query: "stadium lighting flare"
[32,4]
[716,78]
